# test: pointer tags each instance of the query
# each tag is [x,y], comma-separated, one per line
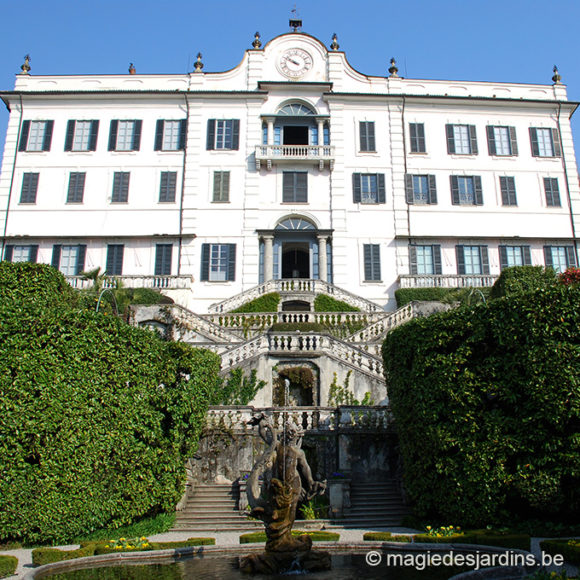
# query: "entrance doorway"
[295,260]
[295,135]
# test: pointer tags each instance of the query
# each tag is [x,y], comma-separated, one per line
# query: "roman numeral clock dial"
[295,63]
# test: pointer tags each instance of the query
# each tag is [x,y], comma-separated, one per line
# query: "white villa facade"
[292,165]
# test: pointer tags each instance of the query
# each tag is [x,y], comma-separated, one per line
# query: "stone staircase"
[374,505]
[214,508]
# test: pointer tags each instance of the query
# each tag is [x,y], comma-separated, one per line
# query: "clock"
[295,63]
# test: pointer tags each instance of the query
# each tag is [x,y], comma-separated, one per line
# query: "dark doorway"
[295,260]
[296,306]
[295,135]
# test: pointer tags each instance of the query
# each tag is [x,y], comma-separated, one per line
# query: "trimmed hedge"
[42,556]
[98,417]
[521,279]
[570,549]
[266,303]
[8,565]
[487,405]
[465,296]
[101,547]
[301,326]
[481,537]
[325,303]
[317,536]
[386,537]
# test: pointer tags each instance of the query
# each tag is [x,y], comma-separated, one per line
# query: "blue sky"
[488,40]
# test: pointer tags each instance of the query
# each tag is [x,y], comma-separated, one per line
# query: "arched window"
[296,110]
[294,224]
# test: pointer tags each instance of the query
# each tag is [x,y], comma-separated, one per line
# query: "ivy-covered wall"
[97,417]
[487,406]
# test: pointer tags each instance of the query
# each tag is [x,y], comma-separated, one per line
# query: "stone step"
[208,507]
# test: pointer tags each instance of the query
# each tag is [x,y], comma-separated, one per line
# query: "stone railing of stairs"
[295,288]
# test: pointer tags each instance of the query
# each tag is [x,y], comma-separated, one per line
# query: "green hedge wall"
[97,417]
[487,405]
[8,565]
[266,303]
[520,279]
[325,303]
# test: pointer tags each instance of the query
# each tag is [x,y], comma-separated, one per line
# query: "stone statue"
[286,480]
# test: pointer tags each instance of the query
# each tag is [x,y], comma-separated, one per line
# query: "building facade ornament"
[26,66]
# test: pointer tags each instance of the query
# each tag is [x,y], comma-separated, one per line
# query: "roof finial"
[25,68]
[393,69]
[257,42]
[132,70]
[334,45]
[556,78]
[198,65]
[295,22]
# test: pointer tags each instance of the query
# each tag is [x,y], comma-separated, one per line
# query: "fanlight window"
[295,224]
[296,110]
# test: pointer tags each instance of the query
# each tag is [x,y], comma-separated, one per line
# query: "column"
[268,258]
[320,132]
[322,265]
[270,131]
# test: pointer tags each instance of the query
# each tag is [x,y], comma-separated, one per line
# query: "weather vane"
[295,21]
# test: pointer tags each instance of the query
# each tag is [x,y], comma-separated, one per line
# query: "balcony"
[443,281]
[155,282]
[317,154]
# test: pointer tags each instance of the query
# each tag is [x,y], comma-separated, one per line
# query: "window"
[36,136]
[121,187]
[560,257]
[420,189]
[70,260]
[163,259]
[461,139]
[115,259]
[29,188]
[76,188]
[552,192]
[221,186]
[502,140]
[466,190]
[514,256]
[21,253]
[125,135]
[368,187]
[170,135]
[295,187]
[223,134]
[472,260]
[417,137]
[218,262]
[367,136]
[167,186]
[372,262]
[545,142]
[425,259]
[81,136]
[508,190]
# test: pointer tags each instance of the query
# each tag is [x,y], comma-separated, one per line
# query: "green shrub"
[98,417]
[301,326]
[480,537]
[143,545]
[465,296]
[8,565]
[325,303]
[570,549]
[317,536]
[147,526]
[238,388]
[519,279]
[386,537]
[42,556]
[487,406]
[266,303]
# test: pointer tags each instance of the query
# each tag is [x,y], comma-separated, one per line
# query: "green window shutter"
[513,141]
[356,189]
[137,125]
[417,133]
[210,144]
[534,142]
[527,255]
[115,259]
[70,133]
[548,256]
[437,270]
[93,136]
[113,135]
[225,186]
[491,140]
[235,134]
[556,142]
[484,259]
[454,189]
[473,140]
[217,185]
[159,135]
[205,251]
[450,139]
[231,274]
[478,190]
[503,261]
[410,198]
[81,254]
[301,187]
[460,253]
[47,140]
[570,257]
[24,136]
[381,188]
[55,262]
[182,133]
[432,190]
[33,255]
[8,250]
[413,259]
[163,255]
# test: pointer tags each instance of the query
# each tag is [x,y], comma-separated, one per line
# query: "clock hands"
[294,62]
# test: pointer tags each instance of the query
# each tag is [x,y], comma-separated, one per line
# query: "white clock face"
[295,63]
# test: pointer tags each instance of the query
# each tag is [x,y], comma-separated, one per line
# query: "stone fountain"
[280,479]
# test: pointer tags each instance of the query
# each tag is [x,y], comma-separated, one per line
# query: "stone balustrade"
[155,282]
[447,281]
[280,153]
[184,320]
[380,328]
[310,419]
